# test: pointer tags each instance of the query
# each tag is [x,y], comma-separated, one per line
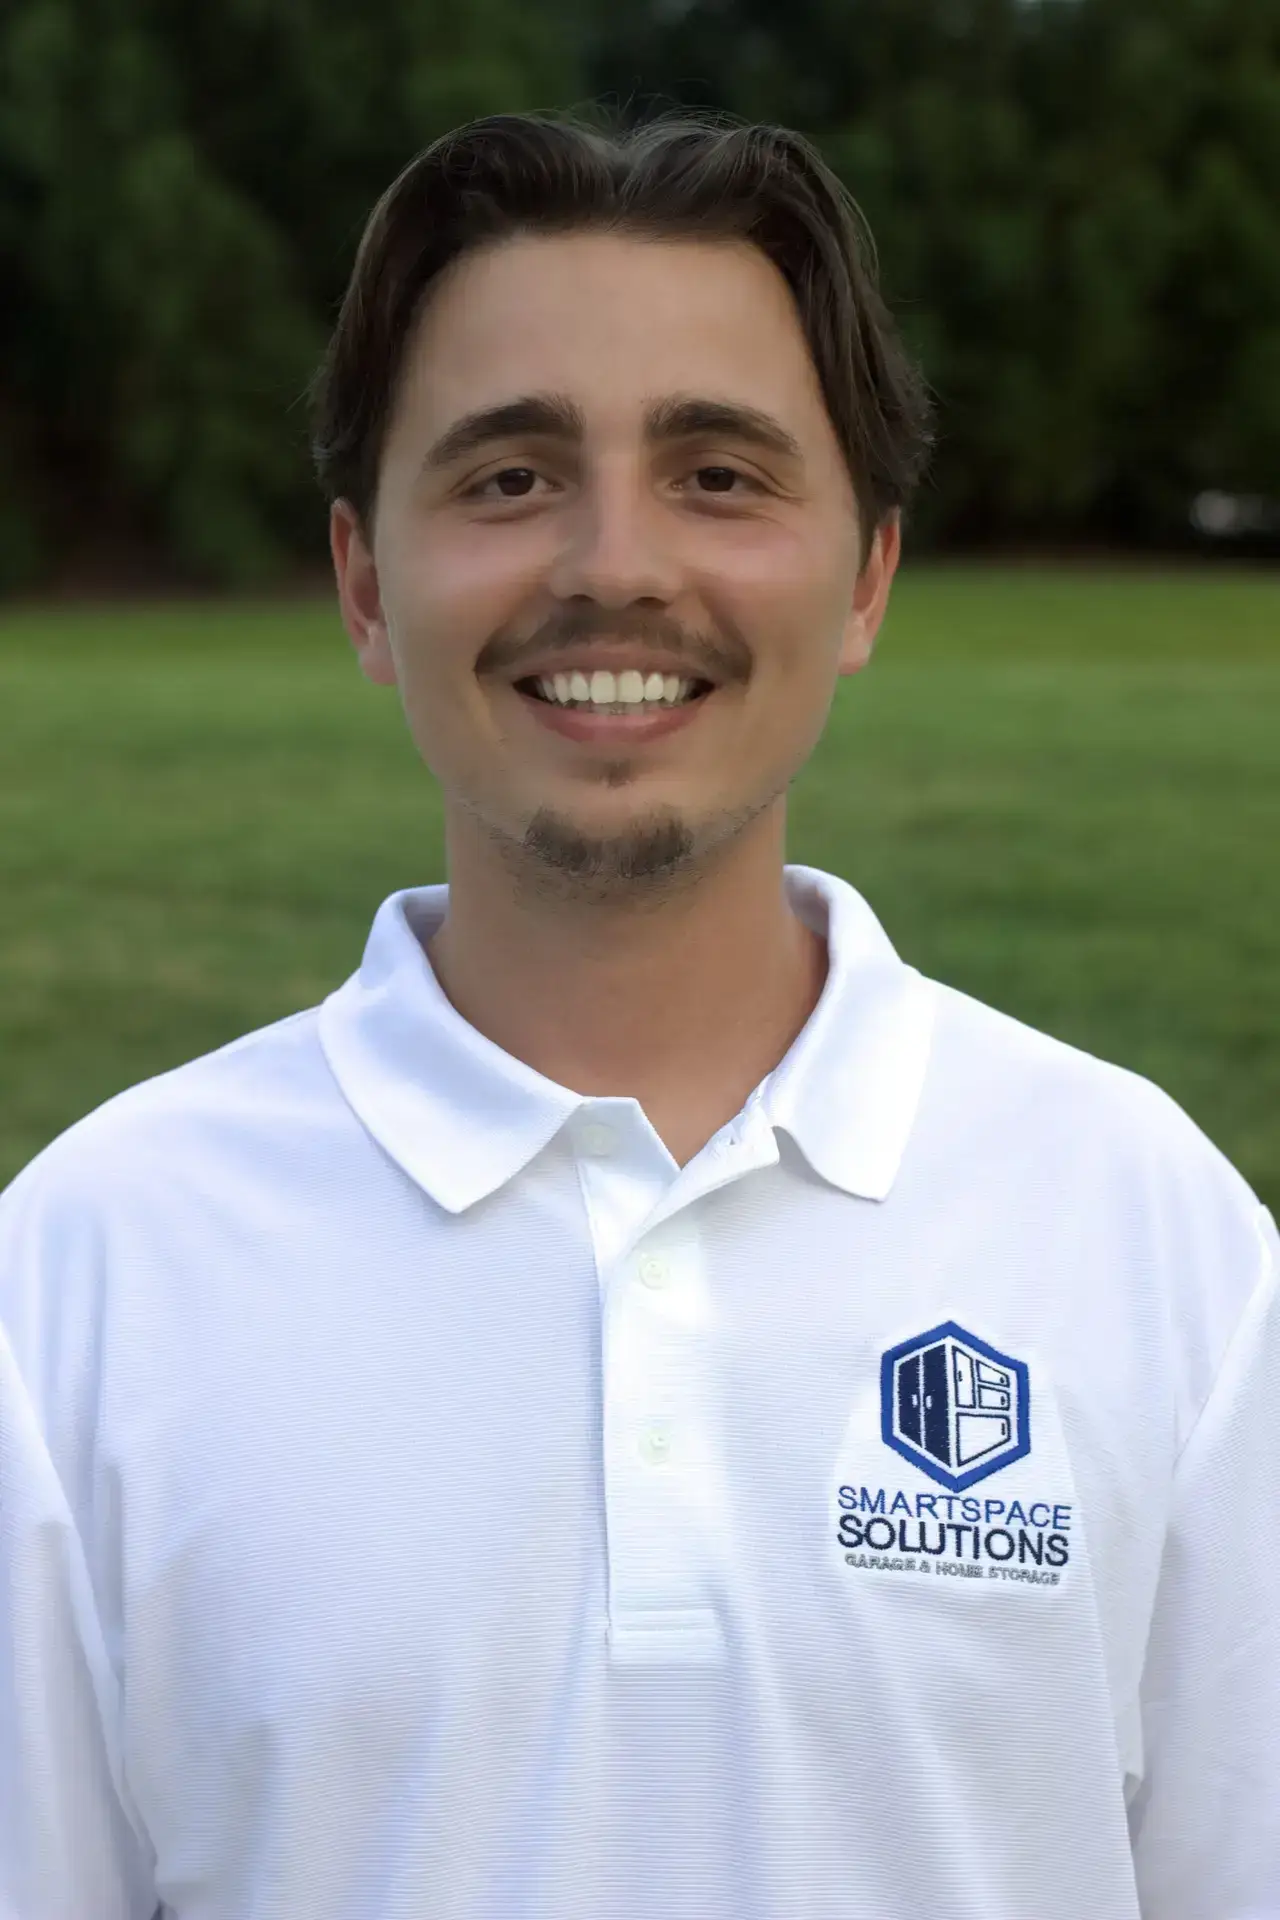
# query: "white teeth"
[623,690]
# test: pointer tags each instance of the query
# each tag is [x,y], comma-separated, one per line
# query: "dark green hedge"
[1076,204]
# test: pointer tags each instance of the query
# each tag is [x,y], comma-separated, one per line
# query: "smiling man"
[613,557]
[641,1404]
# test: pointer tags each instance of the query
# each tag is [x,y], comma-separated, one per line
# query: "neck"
[684,1001]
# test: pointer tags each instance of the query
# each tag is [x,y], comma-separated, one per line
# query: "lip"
[613,729]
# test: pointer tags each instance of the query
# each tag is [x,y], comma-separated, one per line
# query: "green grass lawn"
[1060,790]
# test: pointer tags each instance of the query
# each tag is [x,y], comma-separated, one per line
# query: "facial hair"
[649,851]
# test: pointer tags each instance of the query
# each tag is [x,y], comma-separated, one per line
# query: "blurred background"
[1059,785]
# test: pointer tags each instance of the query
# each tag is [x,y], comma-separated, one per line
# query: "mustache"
[725,657]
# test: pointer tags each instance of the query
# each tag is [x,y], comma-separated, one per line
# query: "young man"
[640,1405]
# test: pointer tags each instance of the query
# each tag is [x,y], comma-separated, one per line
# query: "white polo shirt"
[421,1500]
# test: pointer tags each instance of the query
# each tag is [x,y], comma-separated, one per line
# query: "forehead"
[613,319]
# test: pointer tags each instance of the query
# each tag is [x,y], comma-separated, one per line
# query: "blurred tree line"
[1076,205]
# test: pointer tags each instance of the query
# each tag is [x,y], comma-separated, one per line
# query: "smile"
[606,715]
[602,691]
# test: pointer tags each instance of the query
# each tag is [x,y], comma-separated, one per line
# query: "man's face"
[664,497]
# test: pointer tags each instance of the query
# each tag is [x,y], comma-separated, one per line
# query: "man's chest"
[407,1478]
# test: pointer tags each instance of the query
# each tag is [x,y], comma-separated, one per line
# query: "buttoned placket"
[664,1479]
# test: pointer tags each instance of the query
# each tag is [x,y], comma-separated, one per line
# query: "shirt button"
[654,1271]
[597,1138]
[656,1445]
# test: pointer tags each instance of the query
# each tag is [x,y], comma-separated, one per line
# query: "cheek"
[794,635]
[445,599]
[446,585]
[789,592]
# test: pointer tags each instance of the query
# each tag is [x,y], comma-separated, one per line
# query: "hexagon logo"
[955,1407]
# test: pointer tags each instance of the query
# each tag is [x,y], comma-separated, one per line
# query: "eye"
[521,475]
[516,483]
[722,479]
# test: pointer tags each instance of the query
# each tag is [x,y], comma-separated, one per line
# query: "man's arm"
[68,1848]
[1205,1824]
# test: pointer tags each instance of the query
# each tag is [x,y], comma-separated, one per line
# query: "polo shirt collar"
[462,1117]
[848,1089]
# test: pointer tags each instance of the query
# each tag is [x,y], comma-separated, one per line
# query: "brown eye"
[520,474]
[720,480]
[512,483]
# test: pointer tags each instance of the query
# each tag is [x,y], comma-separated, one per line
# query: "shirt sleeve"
[68,1847]
[1205,1822]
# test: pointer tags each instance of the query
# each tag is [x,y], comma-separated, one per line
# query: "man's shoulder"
[252,1088]
[1053,1110]
[1013,1055]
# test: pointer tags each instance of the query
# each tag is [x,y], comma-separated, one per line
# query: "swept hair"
[679,175]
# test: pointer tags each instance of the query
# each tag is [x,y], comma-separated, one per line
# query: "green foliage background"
[1076,204]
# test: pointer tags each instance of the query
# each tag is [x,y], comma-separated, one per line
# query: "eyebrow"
[554,416]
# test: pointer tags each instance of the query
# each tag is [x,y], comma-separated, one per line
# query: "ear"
[871,595]
[358,596]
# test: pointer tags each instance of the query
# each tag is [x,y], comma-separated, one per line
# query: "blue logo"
[955,1407]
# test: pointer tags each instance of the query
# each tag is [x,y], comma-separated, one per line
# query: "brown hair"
[679,175]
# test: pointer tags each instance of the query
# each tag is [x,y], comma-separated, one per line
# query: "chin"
[650,846]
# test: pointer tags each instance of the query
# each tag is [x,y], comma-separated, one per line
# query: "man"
[640,1405]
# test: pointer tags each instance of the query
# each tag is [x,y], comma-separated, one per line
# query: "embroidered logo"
[955,1407]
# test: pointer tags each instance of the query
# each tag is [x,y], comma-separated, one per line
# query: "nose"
[618,547]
